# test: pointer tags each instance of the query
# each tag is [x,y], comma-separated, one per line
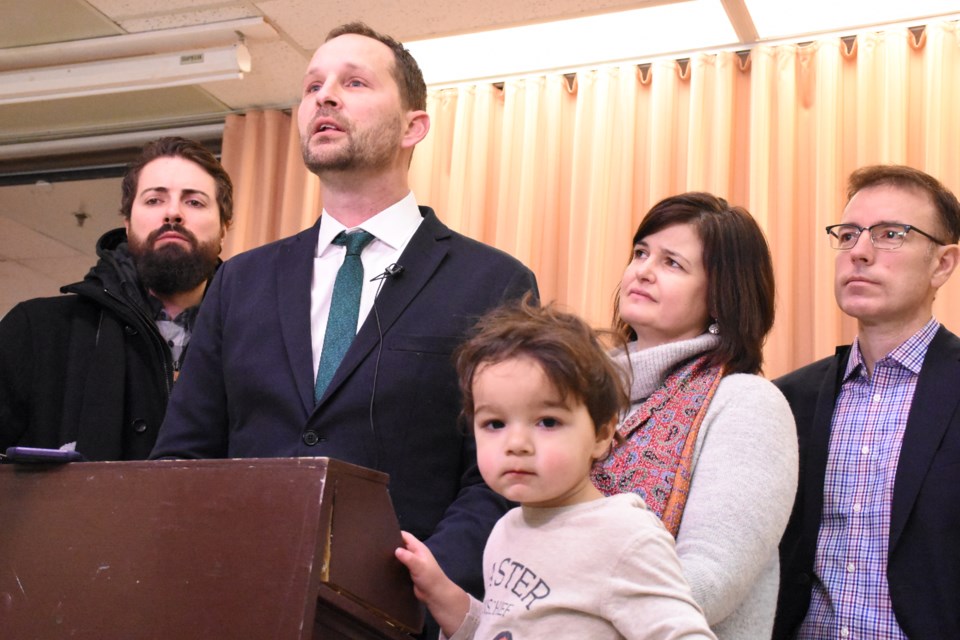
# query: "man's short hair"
[176,147]
[406,71]
[903,177]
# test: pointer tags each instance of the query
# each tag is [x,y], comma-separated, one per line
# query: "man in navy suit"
[872,549]
[249,382]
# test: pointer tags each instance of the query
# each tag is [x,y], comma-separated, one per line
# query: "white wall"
[42,247]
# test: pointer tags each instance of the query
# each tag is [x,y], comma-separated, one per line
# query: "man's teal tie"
[344,308]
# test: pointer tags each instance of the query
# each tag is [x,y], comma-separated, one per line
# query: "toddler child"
[543,399]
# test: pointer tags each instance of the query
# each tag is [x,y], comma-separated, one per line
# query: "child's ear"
[604,440]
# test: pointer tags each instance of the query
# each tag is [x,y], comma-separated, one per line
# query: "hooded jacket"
[90,367]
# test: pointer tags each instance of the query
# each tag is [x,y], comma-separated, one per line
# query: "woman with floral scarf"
[707,443]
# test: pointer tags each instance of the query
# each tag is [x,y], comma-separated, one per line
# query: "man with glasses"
[872,549]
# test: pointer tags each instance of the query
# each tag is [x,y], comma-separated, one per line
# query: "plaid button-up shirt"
[851,596]
[176,332]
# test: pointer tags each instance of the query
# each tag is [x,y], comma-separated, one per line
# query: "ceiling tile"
[125,8]
[185,18]
[46,21]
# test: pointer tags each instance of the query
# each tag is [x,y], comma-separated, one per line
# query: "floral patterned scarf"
[655,458]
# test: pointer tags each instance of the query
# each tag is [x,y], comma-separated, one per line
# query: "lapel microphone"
[392,271]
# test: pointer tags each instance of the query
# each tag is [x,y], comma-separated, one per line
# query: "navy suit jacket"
[246,389]
[923,567]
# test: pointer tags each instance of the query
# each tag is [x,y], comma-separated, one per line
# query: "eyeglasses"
[886,235]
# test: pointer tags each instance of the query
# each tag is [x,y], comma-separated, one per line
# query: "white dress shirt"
[392,228]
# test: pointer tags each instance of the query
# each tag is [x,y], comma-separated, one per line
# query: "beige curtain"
[559,171]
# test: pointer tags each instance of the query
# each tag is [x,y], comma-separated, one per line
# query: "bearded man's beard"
[173,268]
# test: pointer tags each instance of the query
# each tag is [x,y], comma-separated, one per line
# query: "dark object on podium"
[24,455]
[257,548]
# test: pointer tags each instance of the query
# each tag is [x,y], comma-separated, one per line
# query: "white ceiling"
[298,28]
[42,245]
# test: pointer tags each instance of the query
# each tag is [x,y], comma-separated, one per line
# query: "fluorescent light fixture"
[124,74]
[95,143]
[141,43]
[777,19]
[607,38]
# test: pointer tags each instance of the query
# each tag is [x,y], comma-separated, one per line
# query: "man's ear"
[126,225]
[947,258]
[418,125]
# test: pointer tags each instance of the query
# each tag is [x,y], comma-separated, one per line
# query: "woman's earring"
[714,328]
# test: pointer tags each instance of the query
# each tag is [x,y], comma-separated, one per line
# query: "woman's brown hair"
[740,286]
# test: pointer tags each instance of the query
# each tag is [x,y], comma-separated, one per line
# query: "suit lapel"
[934,404]
[293,279]
[420,259]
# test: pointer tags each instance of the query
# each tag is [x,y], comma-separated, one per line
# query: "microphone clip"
[392,270]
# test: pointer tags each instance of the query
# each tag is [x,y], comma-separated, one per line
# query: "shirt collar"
[393,226]
[909,354]
[184,319]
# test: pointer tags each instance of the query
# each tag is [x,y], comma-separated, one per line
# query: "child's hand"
[426,574]
[447,602]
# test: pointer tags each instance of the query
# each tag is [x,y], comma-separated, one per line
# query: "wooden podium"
[257,548]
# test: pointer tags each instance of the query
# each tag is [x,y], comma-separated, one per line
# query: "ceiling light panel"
[778,19]
[570,44]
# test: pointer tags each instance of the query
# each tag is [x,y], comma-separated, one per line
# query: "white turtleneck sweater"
[741,494]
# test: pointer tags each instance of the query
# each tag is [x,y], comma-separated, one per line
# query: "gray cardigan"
[744,481]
